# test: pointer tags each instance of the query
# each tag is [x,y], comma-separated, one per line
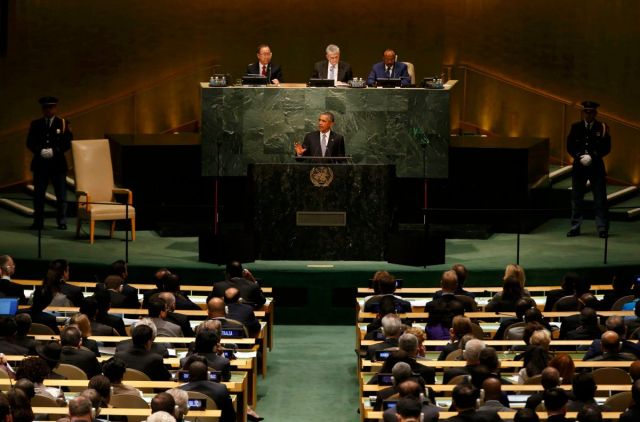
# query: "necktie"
[49,123]
[332,69]
[264,70]
[389,71]
[323,144]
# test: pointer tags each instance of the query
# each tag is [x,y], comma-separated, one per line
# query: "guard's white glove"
[46,153]
[586,160]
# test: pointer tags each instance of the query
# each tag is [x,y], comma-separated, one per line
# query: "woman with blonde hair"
[517,272]
[84,325]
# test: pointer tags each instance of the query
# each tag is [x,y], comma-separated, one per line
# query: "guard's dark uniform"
[58,137]
[593,139]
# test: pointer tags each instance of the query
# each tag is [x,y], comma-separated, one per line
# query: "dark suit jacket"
[321,70]
[458,291]
[113,321]
[386,344]
[10,347]
[454,372]
[534,400]
[244,314]
[91,345]
[45,318]
[475,416]
[335,145]
[73,293]
[148,362]
[183,302]
[610,298]
[158,348]
[428,374]
[215,361]
[41,137]
[83,359]
[27,342]
[451,347]
[10,289]
[100,329]
[400,70]
[553,296]
[127,298]
[181,321]
[429,414]
[372,305]
[219,394]
[596,141]
[250,292]
[147,295]
[273,71]
[626,346]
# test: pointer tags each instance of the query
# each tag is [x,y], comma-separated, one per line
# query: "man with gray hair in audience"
[182,402]
[400,372]
[161,417]
[407,352]
[80,409]
[180,320]
[159,348]
[471,354]
[392,329]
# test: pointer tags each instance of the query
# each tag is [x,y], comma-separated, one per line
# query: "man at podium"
[323,142]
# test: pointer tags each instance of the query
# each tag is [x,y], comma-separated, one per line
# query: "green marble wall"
[381,126]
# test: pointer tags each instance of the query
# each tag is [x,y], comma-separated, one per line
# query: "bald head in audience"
[163,402]
[410,388]
[634,370]
[492,389]
[169,300]
[610,342]
[211,325]
[215,308]
[80,409]
[550,377]
[449,281]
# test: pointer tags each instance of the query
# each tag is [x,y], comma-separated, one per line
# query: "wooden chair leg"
[113,228]
[133,229]
[92,229]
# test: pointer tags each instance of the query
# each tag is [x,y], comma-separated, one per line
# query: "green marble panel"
[248,125]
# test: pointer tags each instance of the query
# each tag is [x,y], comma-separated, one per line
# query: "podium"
[321,211]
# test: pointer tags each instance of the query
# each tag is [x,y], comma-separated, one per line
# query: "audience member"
[374,328]
[182,403]
[179,319]
[492,397]
[240,312]
[163,402]
[81,321]
[102,385]
[421,336]
[104,305]
[73,354]
[567,288]
[407,352]
[53,283]
[622,285]
[207,346]
[589,328]
[161,417]
[462,274]
[522,306]
[408,409]
[505,301]
[633,412]
[242,279]
[121,269]
[159,276]
[20,404]
[216,310]
[113,284]
[583,392]
[392,329]
[472,355]
[536,357]
[460,327]
[555,403]
[633,323]
[114,370]
[40,300]
[22,338]
[565,366]
[617,324]
[590,413]
[36,370]
[141,357]
[550,379]
[401,372]
[7,287]
[89,307]
[413,390]
[73,293]
[384,284]
[198,381]
[80,409]
[156,347]
[158,313]
[571,322]
[464,400]
[526,415]
[172,285]
[611,350]
[8,331]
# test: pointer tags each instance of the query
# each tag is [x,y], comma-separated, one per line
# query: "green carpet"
[312,375]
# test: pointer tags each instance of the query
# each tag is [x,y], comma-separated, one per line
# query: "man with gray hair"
[7,287]
[392,328]
[179,319]
[159,348]
[161,417]
[471,354]
[182,402]
[401,372]
[407,352]
[80,409]
[333,67]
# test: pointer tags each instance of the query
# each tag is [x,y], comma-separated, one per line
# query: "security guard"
[588,142]
[49,138]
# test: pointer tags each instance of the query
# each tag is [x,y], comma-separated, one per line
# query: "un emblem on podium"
[321,177]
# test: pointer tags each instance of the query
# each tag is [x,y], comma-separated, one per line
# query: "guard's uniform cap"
[48,101]
[589,105]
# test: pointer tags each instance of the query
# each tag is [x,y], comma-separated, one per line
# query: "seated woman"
[565,366]
[505,301]
[36,370]
[84,325]
[517,272]
[536,357]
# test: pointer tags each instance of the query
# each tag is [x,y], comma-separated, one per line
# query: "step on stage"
[322,292]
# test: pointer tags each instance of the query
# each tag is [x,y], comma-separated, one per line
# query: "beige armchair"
[411,71]
[95,190]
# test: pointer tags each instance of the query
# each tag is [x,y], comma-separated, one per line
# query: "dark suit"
[386,344]
[553,296]
[10,347]
[373,304]
[130,293]
[429,414]
[183,302]
[218,393]
[158,348]
[273,71]
[10,289]
[58,137]
[611,297]
[321,70]
[244,314]
[118,300]
[475,416]
[595,141]
[626,346]
[250,292]
[147,295]
[45,318]
[27,342]
[148,362]
[378,71]
[451,373]
[91,345]
[83,359]
[113,321]
[215,361]
[181,321]
[73,293]
[428,374]
[335,145]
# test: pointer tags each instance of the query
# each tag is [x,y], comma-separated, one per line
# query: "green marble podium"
[321,211]
[249,125]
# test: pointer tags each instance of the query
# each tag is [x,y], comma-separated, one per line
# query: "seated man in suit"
[392,329]
[158,314]
[73,293]
[199,381]
[617,324]
[472,355]
[550,379]
[389,68]
[141,357]
[113,284]
[23,326]
[73,354]
[610,342]
[462,273]
[411,389]
[208,346]
[567,288]
[7,287]
[121,269]
[385,284]
[163,402]
[216,310]
[401,372]
[333,67]
[179,319]
[407,352]
[172,285]
[159,348]
[464,400]
[159,276]
[265,67]
[114,370]
[323,142]
[555,403]
[243,280]
[8,329]
[241,312]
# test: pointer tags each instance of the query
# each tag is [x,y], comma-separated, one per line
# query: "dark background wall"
[122,66]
